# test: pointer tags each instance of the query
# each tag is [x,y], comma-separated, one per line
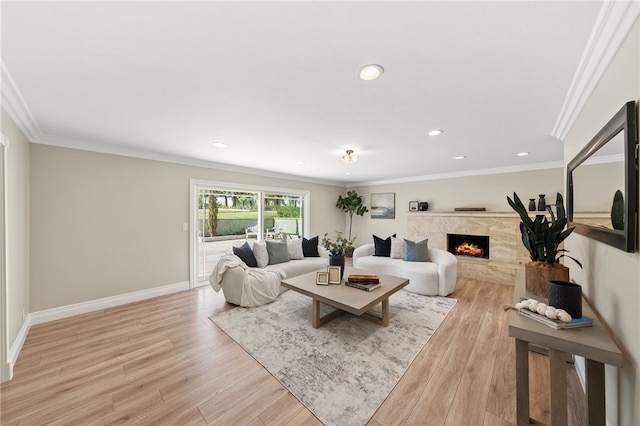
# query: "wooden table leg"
[595,393]
[522,382]
[385,312]
[315,313]
[558,384]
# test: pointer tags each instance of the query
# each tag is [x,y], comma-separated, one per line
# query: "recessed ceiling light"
[460,157]
[300,162]
[522,154]
[348,173]
[435,132]
[219,145]
[370,72]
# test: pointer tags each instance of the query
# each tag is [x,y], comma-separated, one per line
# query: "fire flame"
[469,249]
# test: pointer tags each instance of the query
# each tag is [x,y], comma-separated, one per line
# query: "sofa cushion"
[310,247]
[245,253]
[261,254]
[416,251]
[382,247]
[295,248]
[278,252]
[294,268]
[397,248]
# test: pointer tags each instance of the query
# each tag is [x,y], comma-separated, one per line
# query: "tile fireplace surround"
[507,253]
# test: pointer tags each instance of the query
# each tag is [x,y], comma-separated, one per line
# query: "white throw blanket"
[259,286]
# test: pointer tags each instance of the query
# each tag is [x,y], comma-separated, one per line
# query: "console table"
[593,343]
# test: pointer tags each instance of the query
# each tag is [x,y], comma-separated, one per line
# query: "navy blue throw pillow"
[245,253]
[310,247]
[382,247]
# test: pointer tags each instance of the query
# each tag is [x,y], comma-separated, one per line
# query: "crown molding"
[16,107]
[105,148]
[465,173]
[615,20]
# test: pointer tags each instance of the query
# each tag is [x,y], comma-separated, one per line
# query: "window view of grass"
[230,213]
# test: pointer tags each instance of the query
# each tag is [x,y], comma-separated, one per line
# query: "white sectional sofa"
[245,286]
[434,278]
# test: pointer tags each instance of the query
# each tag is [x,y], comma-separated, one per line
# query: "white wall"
[18,228]
[611,277]
[104,225]
[488,191]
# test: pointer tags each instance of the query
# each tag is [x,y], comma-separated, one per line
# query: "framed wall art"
[383,206]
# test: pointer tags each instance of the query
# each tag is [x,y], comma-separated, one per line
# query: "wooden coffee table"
[345,298]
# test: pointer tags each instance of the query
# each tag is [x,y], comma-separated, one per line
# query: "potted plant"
[351,204]
[542,238]
[338,249]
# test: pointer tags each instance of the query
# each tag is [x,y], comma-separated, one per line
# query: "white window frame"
[196,184]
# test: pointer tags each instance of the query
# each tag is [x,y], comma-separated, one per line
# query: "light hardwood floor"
[162,361]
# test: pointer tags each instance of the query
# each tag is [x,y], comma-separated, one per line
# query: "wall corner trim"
[614,22]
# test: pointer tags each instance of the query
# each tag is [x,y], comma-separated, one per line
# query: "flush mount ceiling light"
[349,157]
[219,145]
[435,132]
[370,72]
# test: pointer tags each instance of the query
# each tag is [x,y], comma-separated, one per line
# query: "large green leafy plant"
[351,204]
[542,237]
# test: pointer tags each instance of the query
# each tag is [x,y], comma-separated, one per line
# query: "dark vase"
[532,204]
[566,295]
[542,203]
[336,260]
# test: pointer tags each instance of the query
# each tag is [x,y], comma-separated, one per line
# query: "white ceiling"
[276,82]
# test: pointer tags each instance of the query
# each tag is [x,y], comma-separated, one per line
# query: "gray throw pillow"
[416,252]
[278,251]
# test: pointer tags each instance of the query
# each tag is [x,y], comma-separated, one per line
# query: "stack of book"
[363,282]
[583,321]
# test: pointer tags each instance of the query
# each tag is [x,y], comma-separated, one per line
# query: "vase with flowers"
[337,249]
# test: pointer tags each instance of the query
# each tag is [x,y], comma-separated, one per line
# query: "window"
[224,215]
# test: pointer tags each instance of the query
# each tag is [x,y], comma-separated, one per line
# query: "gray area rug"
[345,369]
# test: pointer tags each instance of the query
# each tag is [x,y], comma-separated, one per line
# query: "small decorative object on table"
[550,315]
[335,274]
[542,203]
[423,206]
[413,206]
[566,295]
[322,278]
[532,204]
[337,249]
[363,281]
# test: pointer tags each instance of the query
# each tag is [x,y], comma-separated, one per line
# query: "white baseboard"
[16,347]
[107,302]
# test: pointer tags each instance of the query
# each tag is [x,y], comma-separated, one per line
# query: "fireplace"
[468,245]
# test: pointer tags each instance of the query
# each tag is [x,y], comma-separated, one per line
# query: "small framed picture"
[413,206]
[334,274]
[322,278]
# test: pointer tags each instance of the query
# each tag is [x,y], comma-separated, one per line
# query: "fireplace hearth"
[468,245]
